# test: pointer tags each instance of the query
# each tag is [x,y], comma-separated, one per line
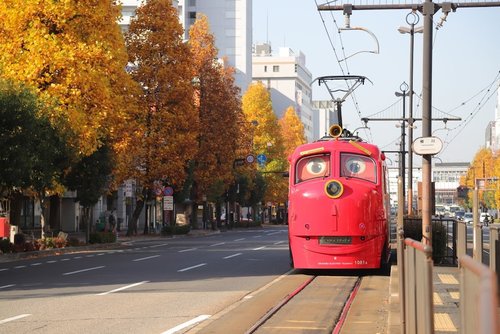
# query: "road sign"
[168,203]
[250,159]
[261,159]
[168,191]
[427,145]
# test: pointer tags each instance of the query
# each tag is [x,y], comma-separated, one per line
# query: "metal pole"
[400,254]
[428,12]
[403,151]
[410,126]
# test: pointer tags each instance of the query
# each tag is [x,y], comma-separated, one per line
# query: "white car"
[468,218]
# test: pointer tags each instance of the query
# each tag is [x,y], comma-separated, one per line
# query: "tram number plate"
[335,240]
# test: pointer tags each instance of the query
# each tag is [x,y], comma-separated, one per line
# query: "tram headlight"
[334,189]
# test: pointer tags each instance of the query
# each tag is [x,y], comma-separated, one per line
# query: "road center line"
[146,258]
[234,255]
[219,244]
[240,239]
[122,288]
[83,270]
[160,245]
[187,250]
[193,267]
[187,324]
[259,248]
[14,318]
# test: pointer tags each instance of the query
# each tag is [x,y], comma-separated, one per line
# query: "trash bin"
[4,227]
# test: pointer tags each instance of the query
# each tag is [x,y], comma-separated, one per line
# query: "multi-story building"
[288,80]
[230,23]
[446,178]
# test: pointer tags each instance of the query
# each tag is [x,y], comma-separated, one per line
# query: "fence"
[478,298]
[418,303]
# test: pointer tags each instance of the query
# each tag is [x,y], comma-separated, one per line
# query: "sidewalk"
[446,286]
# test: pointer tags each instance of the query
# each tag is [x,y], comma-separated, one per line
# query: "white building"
[288,80]
[230,23]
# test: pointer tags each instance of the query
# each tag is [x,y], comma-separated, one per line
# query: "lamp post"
[412,19]
[402,165]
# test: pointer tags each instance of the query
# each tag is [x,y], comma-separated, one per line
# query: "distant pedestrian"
[112,221]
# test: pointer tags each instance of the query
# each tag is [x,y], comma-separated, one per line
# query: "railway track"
[297,303]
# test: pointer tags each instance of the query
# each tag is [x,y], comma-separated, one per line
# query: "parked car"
[459,215]
[468,217]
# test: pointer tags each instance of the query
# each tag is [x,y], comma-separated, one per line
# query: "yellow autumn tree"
[166,129]
[267,140]
[72,53]
[219,108]
[292,130]
[482,167]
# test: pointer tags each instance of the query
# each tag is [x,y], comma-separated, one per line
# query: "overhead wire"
[352,95]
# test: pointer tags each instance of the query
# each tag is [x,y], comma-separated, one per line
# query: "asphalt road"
[151,286]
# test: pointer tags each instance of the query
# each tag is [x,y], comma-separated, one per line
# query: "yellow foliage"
[73,53]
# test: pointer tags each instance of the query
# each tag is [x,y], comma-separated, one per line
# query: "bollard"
[462,239]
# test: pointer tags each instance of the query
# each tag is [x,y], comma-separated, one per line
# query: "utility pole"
[428,9]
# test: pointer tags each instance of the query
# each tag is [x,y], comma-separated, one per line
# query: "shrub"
[19,239]
[6,246]
[102,238]
[175,229]
[73,242]
[413,230]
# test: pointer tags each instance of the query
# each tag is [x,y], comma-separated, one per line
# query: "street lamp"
[402,166]
[412,18]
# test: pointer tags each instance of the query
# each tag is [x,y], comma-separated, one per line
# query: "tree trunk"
[139,205]
[16,204]
[44,226]
[55,213]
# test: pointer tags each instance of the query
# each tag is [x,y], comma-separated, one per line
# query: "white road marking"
[273,233]
[259,248]
[234,255]
[187,324]
[240,239]
[77,257]
[219,244]
[83,270]
[193,267]
[160,245]
[187,250]
[6,286]
[14,318]
[36,264]
[19,267]
[145,258]
[4,269]
[122,288]
[279,242]
[51,261]
[65,260]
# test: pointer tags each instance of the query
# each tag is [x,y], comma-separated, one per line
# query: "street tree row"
[144,105]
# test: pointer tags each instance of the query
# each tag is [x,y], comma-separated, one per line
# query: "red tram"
[338,212]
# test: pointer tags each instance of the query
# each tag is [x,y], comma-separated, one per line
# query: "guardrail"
[418,290]
[478,298]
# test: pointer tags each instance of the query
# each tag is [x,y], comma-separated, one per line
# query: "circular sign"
[250,158]
[427,145]
[168,191]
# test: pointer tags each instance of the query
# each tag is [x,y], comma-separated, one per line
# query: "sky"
[465,69]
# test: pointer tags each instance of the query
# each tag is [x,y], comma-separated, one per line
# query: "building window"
[265,68]
[192,3]
[276,68]
[296,67]
[192,18]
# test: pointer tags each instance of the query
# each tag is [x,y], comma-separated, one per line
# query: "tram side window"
[358,166]
[312,167]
